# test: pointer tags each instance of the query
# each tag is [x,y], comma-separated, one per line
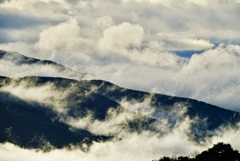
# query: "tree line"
[219,152]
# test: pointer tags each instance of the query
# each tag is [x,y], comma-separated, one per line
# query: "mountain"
[61,112]
[210,116]
[18,64]
[29,126]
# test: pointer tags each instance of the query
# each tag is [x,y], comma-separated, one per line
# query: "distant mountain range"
[33,123]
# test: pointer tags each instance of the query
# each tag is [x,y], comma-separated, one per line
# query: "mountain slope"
[211,115]
[63,111]
[33,126]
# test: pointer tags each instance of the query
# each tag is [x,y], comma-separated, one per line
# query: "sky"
[185,48]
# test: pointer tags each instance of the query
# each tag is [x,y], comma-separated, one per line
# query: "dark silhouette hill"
[219,152]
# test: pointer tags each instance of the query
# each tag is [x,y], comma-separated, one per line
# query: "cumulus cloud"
[62,35]
[120,37]
[212,76]
[104,22]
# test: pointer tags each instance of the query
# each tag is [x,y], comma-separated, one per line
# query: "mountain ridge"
[101,102]
[22,63]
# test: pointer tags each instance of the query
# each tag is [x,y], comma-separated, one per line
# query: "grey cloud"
[73,1]
[3,37]
[11,20]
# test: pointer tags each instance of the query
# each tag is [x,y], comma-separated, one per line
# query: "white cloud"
[104,22]
[123,36]
[62,35]
[211,76]
[116,122]
[143,107]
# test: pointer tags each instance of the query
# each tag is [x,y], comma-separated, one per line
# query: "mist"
[131,146]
